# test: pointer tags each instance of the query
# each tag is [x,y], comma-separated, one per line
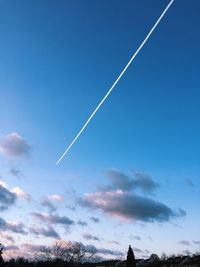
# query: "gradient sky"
[133,176]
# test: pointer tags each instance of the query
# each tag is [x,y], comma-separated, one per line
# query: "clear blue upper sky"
[57,60]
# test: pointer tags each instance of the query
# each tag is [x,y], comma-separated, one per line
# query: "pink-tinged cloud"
[6,237]
[14,145]
[56,198]
[129,206]
[20,193]
[8,196]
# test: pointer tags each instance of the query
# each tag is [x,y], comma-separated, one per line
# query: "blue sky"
[58,59]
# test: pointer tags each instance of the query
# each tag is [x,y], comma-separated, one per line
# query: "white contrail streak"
[117,80]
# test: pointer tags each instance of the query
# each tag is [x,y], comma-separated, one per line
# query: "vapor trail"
[117,80]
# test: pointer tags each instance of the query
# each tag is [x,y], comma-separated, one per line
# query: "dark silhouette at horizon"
[76,255]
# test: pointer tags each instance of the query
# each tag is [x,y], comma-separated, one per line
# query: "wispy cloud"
[48,204]
[7,198]
[136,237]
[184,242]
[11,247]
[51,202]
[73,208]
[196,242]
[88,236]
[18,228]
[82,223]
[16,172]
[56,198]
[52,218]
[47,232]
[139,180]
[6,237]
[189,182]
[111,252]
[94,219]
[28,250]
[114,242]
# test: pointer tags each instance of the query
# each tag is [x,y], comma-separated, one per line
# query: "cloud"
[14,227]
[140,180]
[103,251]
[82,223]
[29,251]
[20,193]
[138,250]
[14,145]
[52,218]
[144,182]
[16,172]
[26,251]
[56,197]
[189,182]
[94,219]
[196,242]
[114,242]
[88,236]
[32,247]
[11,247]
[3,184]
[48,232]
[73,208]
[7,198]
[136,237]
[106,251]
[129,206]
[47,203]
[184,242]
[6,236]
[120,199]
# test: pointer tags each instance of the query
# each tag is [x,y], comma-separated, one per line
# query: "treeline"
[68,253]
[22,262]
[75,254]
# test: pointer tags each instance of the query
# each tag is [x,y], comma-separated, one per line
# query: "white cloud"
[56,197]
[20,193]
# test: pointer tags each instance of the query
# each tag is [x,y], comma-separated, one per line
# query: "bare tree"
[44,254]
[73,252]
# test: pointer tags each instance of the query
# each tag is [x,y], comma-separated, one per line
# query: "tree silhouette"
[130,260]
[1,252]
[73,252]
